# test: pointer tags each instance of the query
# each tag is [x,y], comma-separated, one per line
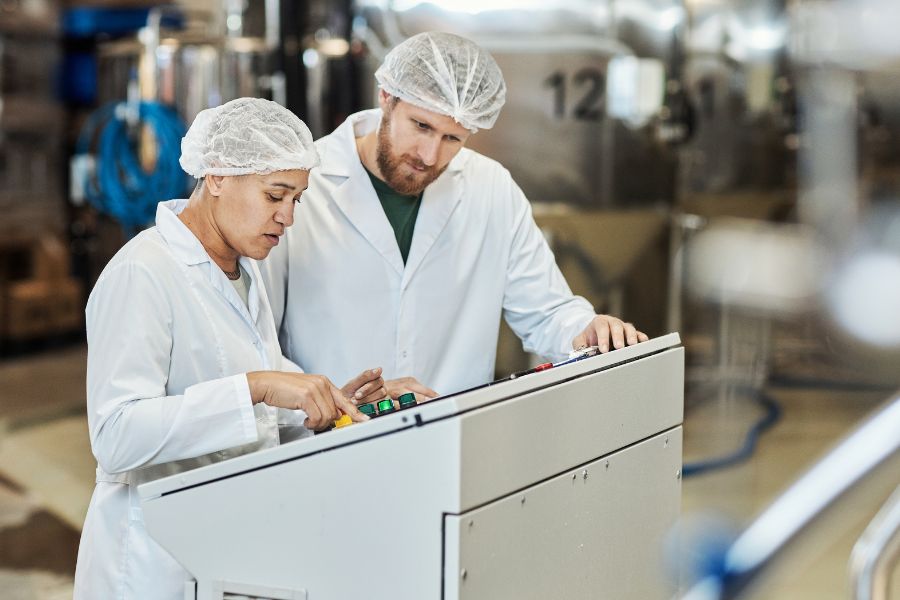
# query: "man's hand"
[315,395]
[603,329]
[403,385]
[366,387]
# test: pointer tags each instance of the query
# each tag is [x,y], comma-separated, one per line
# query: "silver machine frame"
[559,484]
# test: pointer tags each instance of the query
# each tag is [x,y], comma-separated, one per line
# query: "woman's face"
[252,212]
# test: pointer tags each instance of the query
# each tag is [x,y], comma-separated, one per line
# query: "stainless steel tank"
[191,67]
[879,106]
[741,87]
[554,134]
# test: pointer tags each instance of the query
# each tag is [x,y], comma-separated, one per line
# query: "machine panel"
[365,511]
[594,531]
[509,446]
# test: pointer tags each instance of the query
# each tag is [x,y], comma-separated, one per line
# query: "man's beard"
[391,167]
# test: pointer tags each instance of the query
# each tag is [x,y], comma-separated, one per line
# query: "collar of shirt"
[181,240]
[187,248]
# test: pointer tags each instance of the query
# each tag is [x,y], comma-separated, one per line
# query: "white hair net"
[446,74]
[244,136]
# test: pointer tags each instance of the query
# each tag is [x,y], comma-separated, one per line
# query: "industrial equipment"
[557,484]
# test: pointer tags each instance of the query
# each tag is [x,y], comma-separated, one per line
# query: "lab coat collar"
[184,244]
[188,249]
[439,201]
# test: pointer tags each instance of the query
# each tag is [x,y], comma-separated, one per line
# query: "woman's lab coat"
[169,344]
[344,301]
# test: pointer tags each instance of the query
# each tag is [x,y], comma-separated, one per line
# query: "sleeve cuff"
[245,406]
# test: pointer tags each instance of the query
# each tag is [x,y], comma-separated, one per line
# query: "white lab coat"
[344,301]
[169,345]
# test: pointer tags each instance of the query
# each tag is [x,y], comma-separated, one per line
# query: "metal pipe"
[682,227]
[828,199]
[273,23]
[876,553]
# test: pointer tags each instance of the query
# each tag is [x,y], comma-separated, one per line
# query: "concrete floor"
[47,471]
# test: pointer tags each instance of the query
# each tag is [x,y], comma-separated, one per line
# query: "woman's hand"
[315,395]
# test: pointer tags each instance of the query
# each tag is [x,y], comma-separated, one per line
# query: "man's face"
[415,145]
[252,212]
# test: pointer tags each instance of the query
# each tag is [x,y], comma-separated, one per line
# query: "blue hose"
[771,416]
[120,187]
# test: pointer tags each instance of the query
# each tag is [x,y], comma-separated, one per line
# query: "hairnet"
[247,135]
[446,74]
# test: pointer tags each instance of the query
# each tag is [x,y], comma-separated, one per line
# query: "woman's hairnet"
[446,74]
[244,136]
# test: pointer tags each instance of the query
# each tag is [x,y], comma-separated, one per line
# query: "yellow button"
[343,422]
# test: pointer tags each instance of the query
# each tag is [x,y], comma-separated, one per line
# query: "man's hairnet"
[446,74]
[244,136]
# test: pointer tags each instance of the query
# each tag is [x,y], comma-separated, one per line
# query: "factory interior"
[727,170]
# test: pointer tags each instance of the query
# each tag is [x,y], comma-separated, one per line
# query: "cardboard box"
[37,308]
[68,310]
[50,259]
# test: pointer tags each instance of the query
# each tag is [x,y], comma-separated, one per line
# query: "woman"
[184,365]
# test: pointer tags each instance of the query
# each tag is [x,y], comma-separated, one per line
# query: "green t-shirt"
[401,212]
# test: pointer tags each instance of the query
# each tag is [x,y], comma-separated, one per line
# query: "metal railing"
[754,550]
[875,554]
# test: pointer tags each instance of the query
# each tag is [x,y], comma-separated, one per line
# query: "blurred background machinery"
[631,125]
[729,169]
[37,296]
[31,122]
[840,261]
[166,64]
[622,115]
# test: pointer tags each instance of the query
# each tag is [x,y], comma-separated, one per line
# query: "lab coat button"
[403,354]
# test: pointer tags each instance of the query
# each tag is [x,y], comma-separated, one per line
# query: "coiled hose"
[119,186]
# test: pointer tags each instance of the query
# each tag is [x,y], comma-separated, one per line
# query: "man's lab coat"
[344,301]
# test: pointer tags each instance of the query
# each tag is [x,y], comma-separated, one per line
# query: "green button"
[367,409]
[407,400]
[385,406]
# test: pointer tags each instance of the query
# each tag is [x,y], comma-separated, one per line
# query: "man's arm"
[538,303]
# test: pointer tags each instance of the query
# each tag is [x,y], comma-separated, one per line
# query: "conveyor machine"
[556,485]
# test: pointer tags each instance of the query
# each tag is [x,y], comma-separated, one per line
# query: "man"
[428,243]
